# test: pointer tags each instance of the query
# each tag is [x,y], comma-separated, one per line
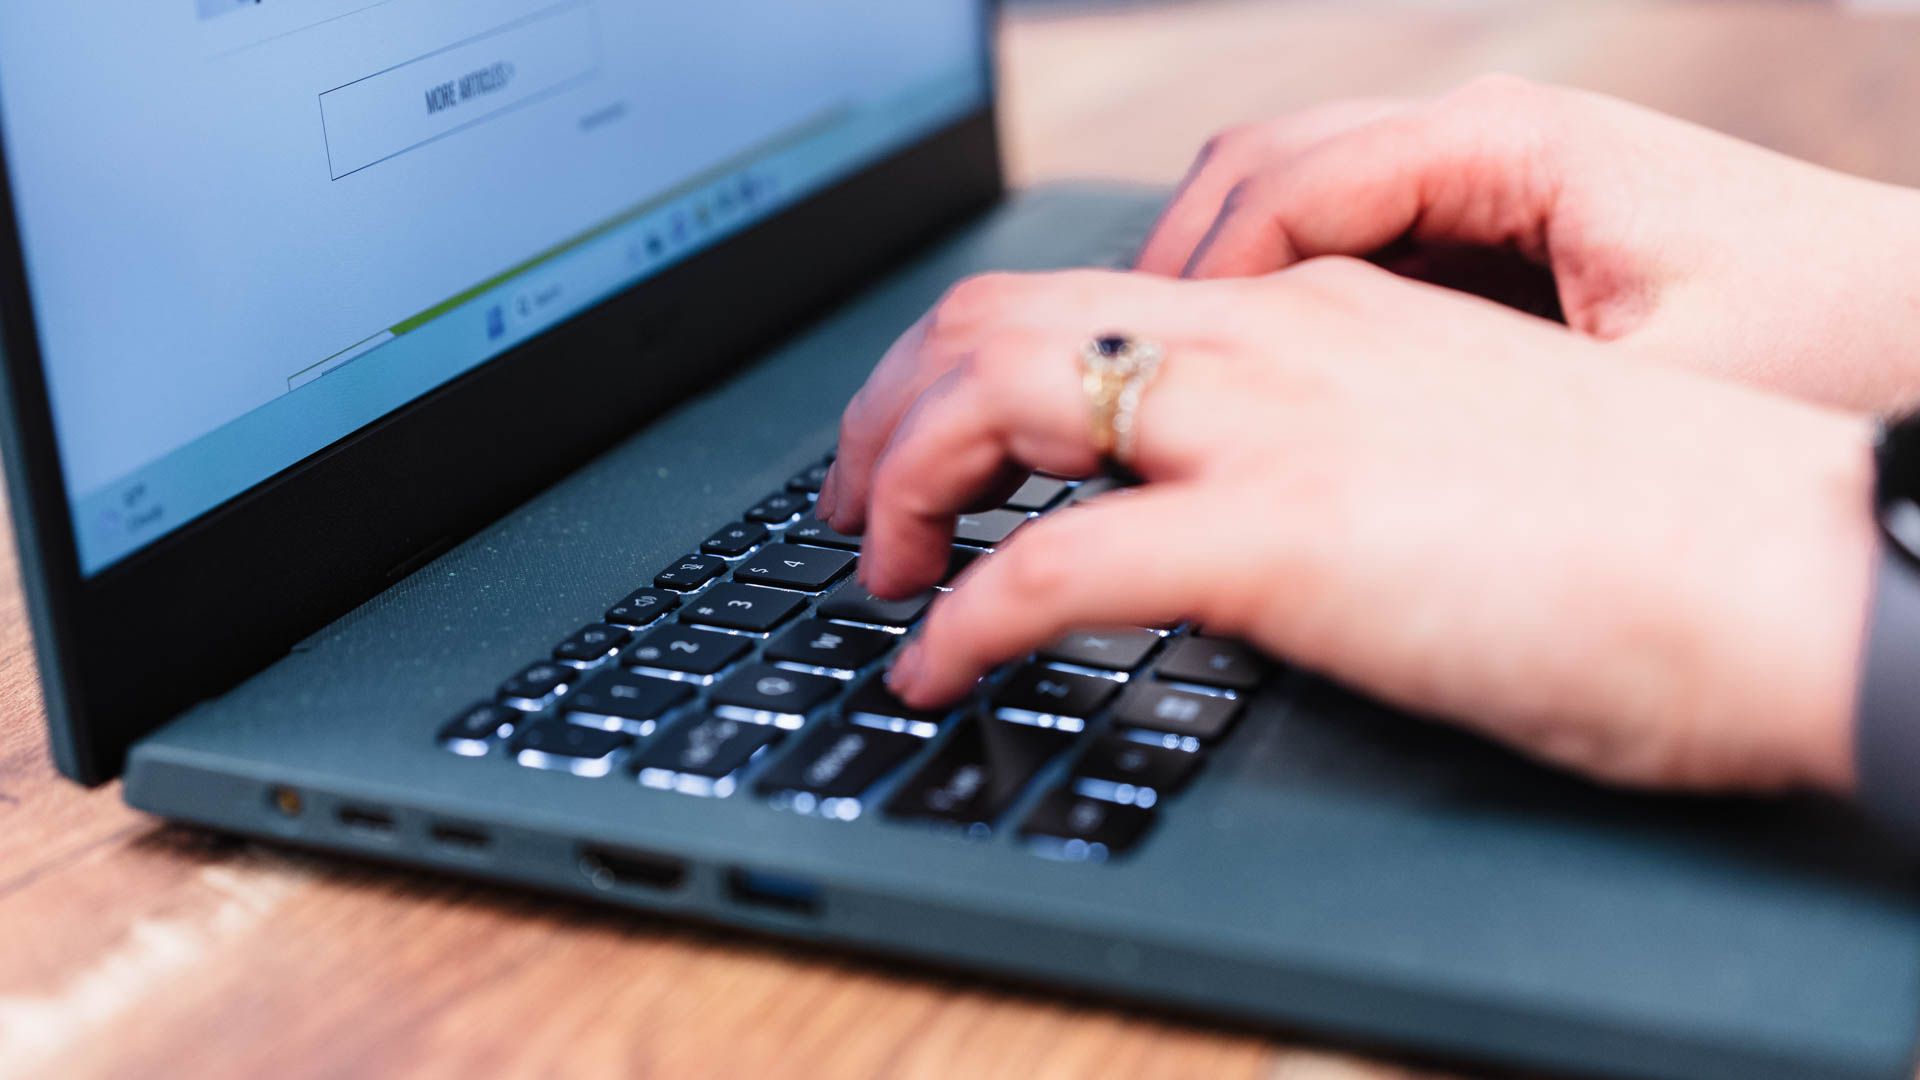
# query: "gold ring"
[1115,370]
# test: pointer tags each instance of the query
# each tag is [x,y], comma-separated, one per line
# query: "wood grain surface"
[132,948]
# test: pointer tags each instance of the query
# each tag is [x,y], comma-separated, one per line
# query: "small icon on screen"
[496,323]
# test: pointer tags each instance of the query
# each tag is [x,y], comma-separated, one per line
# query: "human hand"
[1672,239]
[1635,571]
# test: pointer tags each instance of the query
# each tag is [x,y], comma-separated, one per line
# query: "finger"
[955,440]
[1471,169]
[1017,400]
[995,493]
[1228,159]
[1058,574]
[1220,165]
[937,341]
[1071,306]
[899,376]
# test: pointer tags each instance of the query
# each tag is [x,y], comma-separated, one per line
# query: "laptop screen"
[252,227]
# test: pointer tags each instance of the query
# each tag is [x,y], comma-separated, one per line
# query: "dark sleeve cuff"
[1887,744]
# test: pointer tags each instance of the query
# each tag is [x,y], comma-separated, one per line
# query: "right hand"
[1626,568]
[1667,238]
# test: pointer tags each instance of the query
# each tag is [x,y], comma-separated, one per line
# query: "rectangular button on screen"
[402,108]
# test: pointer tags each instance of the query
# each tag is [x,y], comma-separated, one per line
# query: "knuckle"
[890,481]
[974,300]
[898,491]
[1332,283]
[1080,282]
[856,420]
[1243,195]
[1039,565]
[1000,364]
[1499,84]
[1500,91]
[1236,138]
[1335,272]
[989,376]
[1221,143]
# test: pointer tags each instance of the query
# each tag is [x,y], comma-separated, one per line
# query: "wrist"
[1770,607]
[1827,608]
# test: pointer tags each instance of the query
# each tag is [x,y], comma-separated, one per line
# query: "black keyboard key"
[474,731]
[585,751]
[537,685]
[1212,662]
[811,530]
[742,607]
[1118,760]
[763,688]
[1093,488]
[733,541]
[781,506]
[817,643]
[957,564]
[704,746]
[979,772]
[1158,707]
[1042,690]
[682,649]
[1104,827]
[642,607]
[624,701]
[591,644]
[1108,650]
[839,761]
[987,529]
[854,603]
[873,704]
[1038,493]
[791,566]
[808,480]
[690,572]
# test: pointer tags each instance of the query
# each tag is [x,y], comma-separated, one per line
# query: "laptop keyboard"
[753,667]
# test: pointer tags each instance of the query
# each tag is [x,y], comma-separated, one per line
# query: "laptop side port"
[612,868]
[366,819]
[468,838]
[753,888]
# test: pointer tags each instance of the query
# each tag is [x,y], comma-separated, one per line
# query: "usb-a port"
[755,888]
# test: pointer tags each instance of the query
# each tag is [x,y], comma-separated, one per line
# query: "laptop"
[413,411]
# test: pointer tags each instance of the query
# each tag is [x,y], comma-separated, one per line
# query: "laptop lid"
[294,294]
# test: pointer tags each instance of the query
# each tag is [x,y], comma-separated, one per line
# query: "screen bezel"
[226,594]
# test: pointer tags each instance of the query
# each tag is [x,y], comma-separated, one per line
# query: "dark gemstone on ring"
[1111,345]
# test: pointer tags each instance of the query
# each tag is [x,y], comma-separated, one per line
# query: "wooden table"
[128,947]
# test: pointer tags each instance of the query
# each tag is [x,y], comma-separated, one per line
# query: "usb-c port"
[463,837]
[365,819]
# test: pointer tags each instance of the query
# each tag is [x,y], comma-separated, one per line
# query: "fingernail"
[823,507]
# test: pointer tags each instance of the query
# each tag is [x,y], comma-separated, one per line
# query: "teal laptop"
[413,411]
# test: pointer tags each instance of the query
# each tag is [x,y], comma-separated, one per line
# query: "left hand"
[1639,572]
[1659,235]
